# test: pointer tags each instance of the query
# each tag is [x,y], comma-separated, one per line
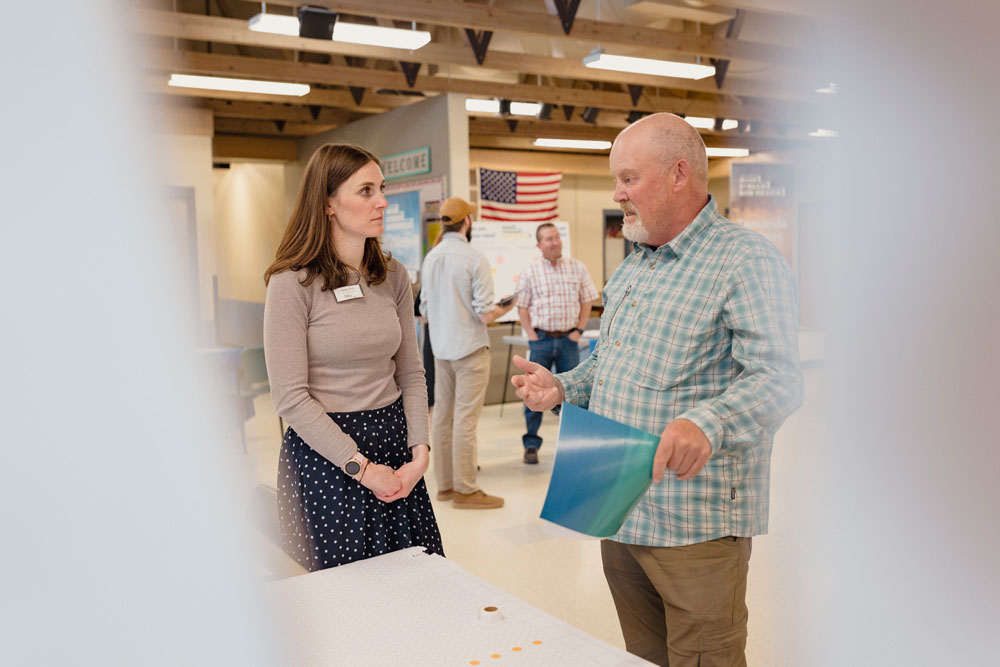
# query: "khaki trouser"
[459,391]
[682,606]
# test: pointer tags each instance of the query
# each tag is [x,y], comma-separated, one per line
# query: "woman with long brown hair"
[345,373]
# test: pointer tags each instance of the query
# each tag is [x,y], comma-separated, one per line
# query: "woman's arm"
[286,322]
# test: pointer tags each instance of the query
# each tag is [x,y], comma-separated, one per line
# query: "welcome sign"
[405,164]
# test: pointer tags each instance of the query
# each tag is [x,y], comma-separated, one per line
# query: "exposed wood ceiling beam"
[225,147]
[268,127]
[485,127]
[520,160]
[497,17]
[282,70]
[373,103]
[265,111]
[235,31]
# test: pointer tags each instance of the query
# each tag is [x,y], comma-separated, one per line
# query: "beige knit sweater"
[324,356]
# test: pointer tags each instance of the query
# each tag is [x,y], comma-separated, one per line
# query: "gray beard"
[635,231]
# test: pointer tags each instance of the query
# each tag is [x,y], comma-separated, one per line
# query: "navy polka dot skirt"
[328,519]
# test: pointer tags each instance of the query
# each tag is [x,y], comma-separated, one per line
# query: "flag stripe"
[518,209]
[520,217]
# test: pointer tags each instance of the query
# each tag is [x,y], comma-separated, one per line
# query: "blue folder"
[602,469]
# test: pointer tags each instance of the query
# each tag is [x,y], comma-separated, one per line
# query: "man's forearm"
[525,316]
[584,316]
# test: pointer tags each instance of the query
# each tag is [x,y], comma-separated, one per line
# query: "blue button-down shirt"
[456,289]
[703,328]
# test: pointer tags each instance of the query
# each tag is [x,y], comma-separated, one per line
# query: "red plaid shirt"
[553,294]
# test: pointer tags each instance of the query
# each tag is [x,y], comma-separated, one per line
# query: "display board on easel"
[511,247]
[413,206]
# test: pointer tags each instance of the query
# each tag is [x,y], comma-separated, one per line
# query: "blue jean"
[547,351]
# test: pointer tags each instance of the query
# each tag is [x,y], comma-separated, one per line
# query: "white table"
[413,608]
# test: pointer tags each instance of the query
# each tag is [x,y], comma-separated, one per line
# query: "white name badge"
[347,293]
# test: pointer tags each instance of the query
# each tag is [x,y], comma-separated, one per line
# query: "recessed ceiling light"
[573,143]
[709,123]
[238,85]
[483,106]
[714,151]
[600,60]
[376,35]
[830,89]
[525,108]
[823,133]
[281,25]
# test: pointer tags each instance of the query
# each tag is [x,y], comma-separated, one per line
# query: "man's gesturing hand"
[683,448]
[539,390]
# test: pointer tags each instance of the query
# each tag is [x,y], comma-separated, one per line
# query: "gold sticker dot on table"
[536,642]
[516,648]
[495,655]
[473,662]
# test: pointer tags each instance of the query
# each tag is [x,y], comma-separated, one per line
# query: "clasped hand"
[390,485]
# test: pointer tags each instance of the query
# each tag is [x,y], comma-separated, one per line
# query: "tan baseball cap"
[455,209]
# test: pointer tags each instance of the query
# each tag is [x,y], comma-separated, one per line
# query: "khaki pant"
[459,391]
[682,606]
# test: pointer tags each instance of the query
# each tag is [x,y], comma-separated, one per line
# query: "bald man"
[699,344]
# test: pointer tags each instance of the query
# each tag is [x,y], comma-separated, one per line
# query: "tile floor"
[515,550]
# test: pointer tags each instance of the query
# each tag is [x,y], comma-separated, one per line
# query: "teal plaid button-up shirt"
[703,328]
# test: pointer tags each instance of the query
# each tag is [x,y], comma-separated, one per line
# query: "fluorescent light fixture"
[484,106]
[280,25]
[823,133]
[829,90]
[573,143]
[598,59]
[376,35]
[238,85]
[713,151]
[709,123]
[525,108]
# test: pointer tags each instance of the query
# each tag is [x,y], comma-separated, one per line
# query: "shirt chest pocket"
[670,342]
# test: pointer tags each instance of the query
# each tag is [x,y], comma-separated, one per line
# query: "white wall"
[250,215]
[187,149]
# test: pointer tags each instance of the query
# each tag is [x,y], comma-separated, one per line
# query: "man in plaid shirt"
[699,344]
[553,302]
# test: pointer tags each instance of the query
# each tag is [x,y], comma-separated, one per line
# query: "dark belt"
[555,334]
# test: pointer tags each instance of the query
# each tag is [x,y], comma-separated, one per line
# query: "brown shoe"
[445,495]
[476,500]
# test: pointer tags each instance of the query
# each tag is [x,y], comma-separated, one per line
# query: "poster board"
[761,198]
[412,206]
[510,247]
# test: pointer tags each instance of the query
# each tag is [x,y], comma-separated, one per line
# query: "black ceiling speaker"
[504,107]
[589,114]
[316,22]
[546,112]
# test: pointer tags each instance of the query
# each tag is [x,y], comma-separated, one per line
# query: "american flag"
[517,195]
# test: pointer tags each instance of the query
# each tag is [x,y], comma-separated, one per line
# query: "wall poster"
[511,247]
[412,207]
[761,198]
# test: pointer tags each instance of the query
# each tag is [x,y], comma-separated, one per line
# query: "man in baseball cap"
[457,300]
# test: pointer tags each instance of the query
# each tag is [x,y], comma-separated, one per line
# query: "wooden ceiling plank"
[235,31]
[505,19]
[374,103]
[196,62]
[227,147]
[267,127]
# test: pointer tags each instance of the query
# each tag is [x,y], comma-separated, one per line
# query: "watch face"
[352,468]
